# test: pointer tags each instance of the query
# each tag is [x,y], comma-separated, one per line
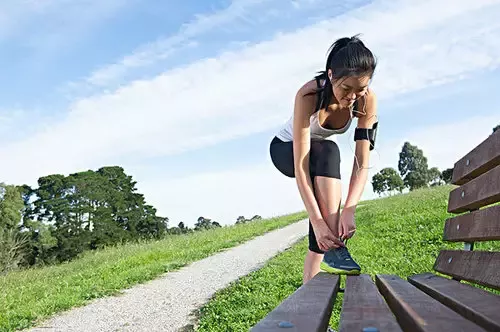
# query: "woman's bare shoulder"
[307,89]
[305,99]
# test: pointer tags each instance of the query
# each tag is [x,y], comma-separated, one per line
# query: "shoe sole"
[325,267]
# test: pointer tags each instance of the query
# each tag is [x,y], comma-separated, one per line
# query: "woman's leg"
[311,265]
[328,195]
[336,260]
[325,174]
[325,159]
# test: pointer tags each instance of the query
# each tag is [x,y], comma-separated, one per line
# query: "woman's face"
[348,89]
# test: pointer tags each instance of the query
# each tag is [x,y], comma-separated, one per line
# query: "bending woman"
[305,148]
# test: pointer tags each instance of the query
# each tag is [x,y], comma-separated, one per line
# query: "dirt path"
[167,303]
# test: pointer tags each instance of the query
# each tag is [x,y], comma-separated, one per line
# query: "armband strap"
[368,134]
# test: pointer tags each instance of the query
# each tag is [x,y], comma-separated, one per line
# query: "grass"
[399,235]
[34,294]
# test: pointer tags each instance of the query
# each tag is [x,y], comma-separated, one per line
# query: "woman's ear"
[330,74]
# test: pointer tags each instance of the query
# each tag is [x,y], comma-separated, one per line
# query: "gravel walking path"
[167,303]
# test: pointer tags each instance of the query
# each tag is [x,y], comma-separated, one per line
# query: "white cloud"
[164,47]
[250,13]
[251,90]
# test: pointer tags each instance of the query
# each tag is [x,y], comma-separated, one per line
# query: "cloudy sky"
[186,97]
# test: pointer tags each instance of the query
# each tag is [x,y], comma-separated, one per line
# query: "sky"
[187,96]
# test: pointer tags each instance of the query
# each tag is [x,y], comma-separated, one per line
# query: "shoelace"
[344,253]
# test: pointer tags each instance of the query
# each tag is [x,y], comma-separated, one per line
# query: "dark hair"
[348,57]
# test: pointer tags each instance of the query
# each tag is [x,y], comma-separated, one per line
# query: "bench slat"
[475,304]
[417,311]
[309,308]
[480,225]
[477,193]
[481,159]
[481,267]
[363,306]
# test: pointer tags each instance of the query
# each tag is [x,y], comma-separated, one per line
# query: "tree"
[14,248]
[89,210]
[11,206]
[379,183]
[413,167]
[179,229]
[205,223]
[387,180]
[434,176]
[14,245]
[496,128]
[446,175]
[241,220]
[184,228]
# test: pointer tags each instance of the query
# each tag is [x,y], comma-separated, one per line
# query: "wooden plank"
[481,267]
[479,160]
[480,225]
[417,311]
[363,306]
[475,304]
[309,308]
[477,193]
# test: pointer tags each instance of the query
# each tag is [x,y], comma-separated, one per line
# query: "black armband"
[368,134]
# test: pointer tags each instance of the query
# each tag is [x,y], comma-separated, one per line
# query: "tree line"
[414,172]
[68,215]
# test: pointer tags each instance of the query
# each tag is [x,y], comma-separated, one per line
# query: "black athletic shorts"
[324,160]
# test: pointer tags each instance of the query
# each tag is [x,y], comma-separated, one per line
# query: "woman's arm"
[359,173]
[303,108]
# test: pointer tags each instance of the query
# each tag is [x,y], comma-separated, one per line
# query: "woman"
[305,148]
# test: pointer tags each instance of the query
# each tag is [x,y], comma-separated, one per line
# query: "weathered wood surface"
[480,225]
[479,160]
[475,304]
[363,306]
[417,311]
[481,267]
[479,192]
[307,309]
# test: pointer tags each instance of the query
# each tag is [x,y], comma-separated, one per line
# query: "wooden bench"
[427,301]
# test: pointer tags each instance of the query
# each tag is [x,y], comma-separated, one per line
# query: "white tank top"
[317,132]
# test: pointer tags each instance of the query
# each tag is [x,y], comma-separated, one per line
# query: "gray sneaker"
[339,261]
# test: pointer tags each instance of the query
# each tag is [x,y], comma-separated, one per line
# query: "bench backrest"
[478,176]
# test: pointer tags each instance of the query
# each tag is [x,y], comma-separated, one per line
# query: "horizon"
[187,97]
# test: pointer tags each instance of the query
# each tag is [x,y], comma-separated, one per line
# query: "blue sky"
[187,97]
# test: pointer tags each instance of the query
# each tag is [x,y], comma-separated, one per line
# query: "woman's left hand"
[347,226]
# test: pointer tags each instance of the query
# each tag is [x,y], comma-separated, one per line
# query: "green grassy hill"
[34,294]
[399,235]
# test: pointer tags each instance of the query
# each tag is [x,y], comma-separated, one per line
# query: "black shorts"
[324,160]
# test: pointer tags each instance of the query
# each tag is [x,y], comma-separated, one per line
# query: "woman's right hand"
[325,237]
